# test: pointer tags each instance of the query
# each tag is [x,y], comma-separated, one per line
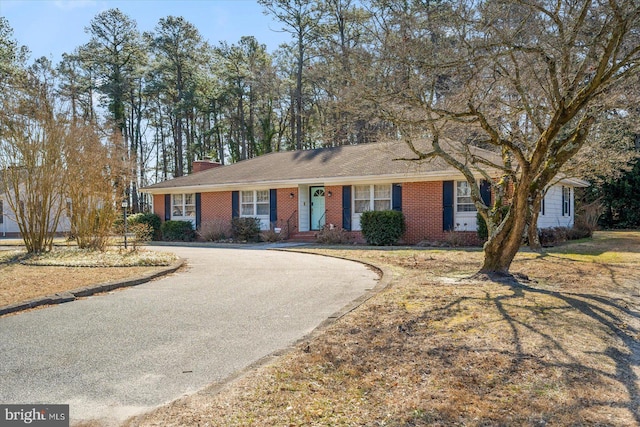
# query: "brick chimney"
[203,165]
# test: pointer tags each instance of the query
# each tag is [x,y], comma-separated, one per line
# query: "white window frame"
[467,203]
[464,220]
[252,201]
[566,201]
[372,199]
[183,207]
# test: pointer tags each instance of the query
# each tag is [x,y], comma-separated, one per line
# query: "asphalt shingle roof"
[352,161]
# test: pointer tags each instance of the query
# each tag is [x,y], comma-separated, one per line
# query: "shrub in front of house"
[215,230]
[382,228]
[331,235]
[245,229]
[149,219]
[556,235]
[177,231]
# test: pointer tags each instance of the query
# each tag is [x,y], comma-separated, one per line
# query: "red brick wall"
[158,205]
[203,165]
[422,208]
[421,205]
[286,208]
[215,206]
[333,205]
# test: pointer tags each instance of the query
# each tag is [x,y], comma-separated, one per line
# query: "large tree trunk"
[501,249]
[532,226]
[505,241]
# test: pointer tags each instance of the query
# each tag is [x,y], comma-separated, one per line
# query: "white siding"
[9,224]
[303,208]
[552,216]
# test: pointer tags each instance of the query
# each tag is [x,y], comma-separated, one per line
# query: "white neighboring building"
[9,227]
[557,209]
[558,204]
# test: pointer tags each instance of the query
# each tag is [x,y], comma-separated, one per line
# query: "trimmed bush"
[150,219]
[382,228]
[177,231]
[246,229]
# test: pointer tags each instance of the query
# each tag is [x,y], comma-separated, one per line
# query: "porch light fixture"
[291,195]
[329,193]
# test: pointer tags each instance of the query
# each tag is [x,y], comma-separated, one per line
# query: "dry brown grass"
[19,283]
[438,349]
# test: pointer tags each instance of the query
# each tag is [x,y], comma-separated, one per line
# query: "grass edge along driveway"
[437,349]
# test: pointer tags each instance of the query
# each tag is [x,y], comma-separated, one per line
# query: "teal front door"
[317,208]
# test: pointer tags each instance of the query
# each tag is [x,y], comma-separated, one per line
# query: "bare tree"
[32,169]
[92,206]
[527,79]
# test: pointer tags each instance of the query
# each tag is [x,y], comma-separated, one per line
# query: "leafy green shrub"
[382,227]
[150,219]
[245,229]
[177,231]
[483,230]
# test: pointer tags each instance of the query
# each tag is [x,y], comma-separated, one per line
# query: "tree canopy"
[547,85]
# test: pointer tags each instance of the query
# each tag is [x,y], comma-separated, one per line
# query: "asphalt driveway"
[115,355]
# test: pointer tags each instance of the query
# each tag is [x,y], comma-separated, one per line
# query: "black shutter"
[167,207]
[235,204]
[198,210]
[273,205]
[1,212]
[485,192]
[396,197]
[447,205]
[346,207]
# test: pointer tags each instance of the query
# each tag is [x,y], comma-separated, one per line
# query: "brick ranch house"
[302,191]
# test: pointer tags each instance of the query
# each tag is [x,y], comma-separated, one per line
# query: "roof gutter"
[290,183]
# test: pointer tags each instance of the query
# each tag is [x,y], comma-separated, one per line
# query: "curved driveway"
[116,355]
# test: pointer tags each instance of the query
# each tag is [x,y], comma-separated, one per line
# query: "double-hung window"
[464,203]
[372,198]
[566,201]
[255,203]
[183,206]
[375,197]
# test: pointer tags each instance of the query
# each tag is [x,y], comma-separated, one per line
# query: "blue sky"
[50,28]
